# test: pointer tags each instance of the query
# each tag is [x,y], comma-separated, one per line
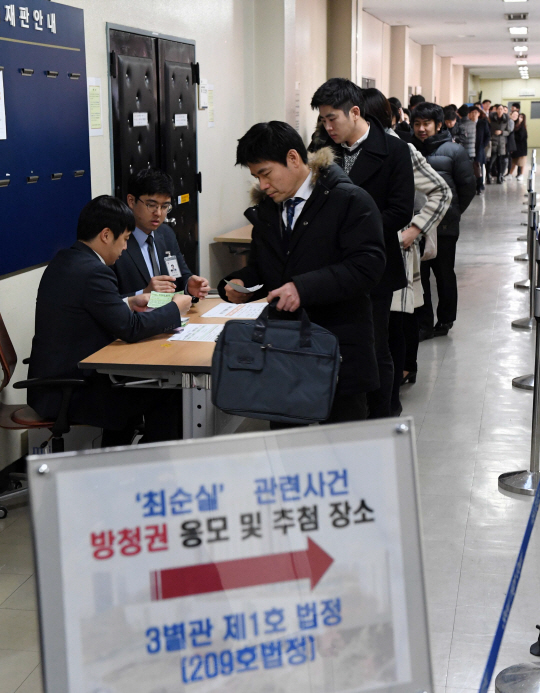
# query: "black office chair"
[22,417]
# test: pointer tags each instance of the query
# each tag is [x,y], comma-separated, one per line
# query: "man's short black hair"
[395,101]
[517,105]
[428,111]
[341,93]
[104,212]
[377,105]
[415,100]
[474,108]
[150,181]
[269,142]
[450,113]
[452,106]
[463,111]
[485,101]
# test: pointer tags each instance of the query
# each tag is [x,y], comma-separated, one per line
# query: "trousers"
[443,269]
[379,400]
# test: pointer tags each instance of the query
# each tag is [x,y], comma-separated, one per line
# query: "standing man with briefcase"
[317,243]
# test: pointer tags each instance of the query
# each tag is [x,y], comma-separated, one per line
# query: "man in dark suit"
[317,243]
[153,261]
[79,310]
[381,165]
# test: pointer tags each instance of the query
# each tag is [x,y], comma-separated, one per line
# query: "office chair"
[19,417]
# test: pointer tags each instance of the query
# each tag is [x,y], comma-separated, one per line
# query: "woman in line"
[519,157]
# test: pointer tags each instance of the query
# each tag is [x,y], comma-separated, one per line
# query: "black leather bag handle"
[261,324]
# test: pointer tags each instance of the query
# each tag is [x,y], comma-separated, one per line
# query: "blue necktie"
[290,206]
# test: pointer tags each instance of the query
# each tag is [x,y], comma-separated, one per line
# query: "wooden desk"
[238,241]
[158,363]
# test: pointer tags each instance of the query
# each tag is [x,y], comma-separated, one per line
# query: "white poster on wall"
[95,113]
[3,129]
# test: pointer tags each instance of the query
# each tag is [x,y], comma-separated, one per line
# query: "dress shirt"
[304,191]
[355,146]
[140,237]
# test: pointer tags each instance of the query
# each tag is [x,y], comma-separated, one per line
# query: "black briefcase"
[276,369]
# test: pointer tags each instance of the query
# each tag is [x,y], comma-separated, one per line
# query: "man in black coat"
[153,261]
[79,311]
[381,165]
[317,243]
[452,162]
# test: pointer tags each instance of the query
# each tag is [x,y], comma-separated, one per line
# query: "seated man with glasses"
[153,261]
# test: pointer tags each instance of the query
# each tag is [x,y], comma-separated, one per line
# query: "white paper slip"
[244,289]
[197,333]
[246,311]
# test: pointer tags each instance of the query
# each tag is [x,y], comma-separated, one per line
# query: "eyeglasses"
[155,207]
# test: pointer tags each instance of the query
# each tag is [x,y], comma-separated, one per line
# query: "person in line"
[519,156]
[451,123]
[510,143]
[153,261]
[500,131]
[432,199]
[515,107]
[415,100]
[450,160]
[467,131]
[79,310]
[381,165]
[318,244]
[402,124]
[486,105]
[483,137]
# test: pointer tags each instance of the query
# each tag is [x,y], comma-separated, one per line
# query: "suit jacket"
[335,257]
[79,310]
[384,170]
[131,270]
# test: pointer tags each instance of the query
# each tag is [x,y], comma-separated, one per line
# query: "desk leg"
[200,418]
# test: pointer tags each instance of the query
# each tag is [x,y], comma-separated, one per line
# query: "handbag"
[283,369]
[430,245]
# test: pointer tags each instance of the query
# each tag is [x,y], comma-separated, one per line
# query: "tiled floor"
[471,426]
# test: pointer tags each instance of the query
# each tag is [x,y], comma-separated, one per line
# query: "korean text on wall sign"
[26,17]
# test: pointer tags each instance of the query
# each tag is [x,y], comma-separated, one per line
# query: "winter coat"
[520,135]
[384,170]
[499,142]
[336,256]
[450,160]
[483,137]
[467,136]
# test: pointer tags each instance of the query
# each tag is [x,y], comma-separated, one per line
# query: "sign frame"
[44,474]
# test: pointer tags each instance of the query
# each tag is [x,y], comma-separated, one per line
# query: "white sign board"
[279,562]
[140,120]
[180,120]
[3,130]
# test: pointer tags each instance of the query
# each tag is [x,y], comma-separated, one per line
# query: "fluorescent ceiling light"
[514,0]
[521,62]
[518,49]
[518,30]
[523,76]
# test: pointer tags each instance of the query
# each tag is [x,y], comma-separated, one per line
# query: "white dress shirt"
[354,146]
[304,191]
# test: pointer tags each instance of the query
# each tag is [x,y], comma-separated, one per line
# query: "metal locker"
[155,76]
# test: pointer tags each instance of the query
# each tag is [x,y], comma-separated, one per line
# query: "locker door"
[178,128]
[134,88]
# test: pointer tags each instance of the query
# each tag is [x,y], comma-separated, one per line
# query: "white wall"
[228,36]
[415,65]
[376,51]
[438,68]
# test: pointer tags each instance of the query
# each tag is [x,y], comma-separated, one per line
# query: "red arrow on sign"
[243,572]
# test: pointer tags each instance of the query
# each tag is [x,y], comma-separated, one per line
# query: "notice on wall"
[3,129]
[297,106]
[140,120]
[203,94]
[271,562]
[180,120]
[211,114]
[94,107]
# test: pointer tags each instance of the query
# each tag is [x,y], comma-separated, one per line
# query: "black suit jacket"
[384,170]
[336,257]
[131,269]
[79,310]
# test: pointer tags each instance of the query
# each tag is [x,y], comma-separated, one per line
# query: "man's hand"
[409,235]
[138,303]
[163,284]
[235,296]
[183,302]
[288,297]
[498,132]
[198,286]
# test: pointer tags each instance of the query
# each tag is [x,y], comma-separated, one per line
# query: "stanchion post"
[529,323]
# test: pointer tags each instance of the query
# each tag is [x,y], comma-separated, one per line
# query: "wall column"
[428,72]
[344,54]
[399,60]
[446,82]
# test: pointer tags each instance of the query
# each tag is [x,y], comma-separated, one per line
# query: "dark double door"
[154,122]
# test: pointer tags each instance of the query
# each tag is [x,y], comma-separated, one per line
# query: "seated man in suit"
[79,310]
[153,261]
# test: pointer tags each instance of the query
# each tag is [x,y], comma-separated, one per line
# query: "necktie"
[152,253]
[290,206]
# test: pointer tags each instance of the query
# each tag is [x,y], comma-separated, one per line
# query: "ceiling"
[473,32]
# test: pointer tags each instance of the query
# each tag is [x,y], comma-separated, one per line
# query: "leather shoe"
[425,334]
[409,378]
[442,329]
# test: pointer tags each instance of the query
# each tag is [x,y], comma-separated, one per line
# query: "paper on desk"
[197,333]
[246,311]
[159,299]
[244,289]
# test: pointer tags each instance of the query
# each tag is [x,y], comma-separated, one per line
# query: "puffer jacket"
[452,163]
[499,142]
